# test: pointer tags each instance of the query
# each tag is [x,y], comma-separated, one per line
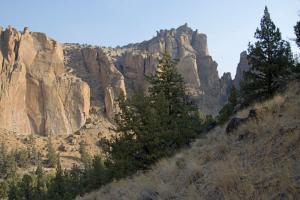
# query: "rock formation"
[45,87]
[128,66]
[94,66]
[36,94]
[241,68]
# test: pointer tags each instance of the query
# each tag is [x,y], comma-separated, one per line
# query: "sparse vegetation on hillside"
[228,109]
[259,160]
[51,154]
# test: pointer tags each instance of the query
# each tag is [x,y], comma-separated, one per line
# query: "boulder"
[235,122]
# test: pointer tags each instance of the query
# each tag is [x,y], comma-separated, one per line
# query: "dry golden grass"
[265,164]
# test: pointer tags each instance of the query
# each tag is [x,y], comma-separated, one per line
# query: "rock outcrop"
[94,66]
[130,64]
[241,68]
[36,94]
[46,88]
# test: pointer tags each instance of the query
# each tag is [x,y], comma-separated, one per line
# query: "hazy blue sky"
[229,24]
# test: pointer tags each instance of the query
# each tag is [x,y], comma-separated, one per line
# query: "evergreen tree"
[153,126]
[57,188]
[271,60]
[297,33]
[26,187]
[35,156]
[3,189]
[10,166]
[13,192]
[228,108]
[296,68]
[41,187]
[176,111]
[22,158]
[84,155]
[98,173]
[3,159]
[52,156]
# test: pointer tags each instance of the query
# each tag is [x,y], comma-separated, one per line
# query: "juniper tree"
[270,58]
[52,156]
[84,155]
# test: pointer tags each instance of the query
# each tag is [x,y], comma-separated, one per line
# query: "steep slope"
[36,94]
[259,160]
[133,62]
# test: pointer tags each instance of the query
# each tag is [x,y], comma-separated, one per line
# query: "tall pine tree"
[297,33]
[153,126]
[271,60]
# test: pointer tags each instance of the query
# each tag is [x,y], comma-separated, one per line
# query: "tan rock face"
[197,67]
[36,95]
[127,66]
[94,66]
[41,87]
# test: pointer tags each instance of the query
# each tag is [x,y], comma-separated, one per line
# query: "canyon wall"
[36,94]
[131,63]
[47,88]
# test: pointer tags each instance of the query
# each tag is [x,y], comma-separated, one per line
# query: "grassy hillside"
[260,160]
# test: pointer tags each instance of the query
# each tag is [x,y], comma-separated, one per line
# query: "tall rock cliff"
[241,68]
[128,66]
[93,65]
[36,94]
[47,89]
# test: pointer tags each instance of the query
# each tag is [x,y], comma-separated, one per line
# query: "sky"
[228,24]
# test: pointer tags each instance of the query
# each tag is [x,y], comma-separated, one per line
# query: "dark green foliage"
[13,192]
[228,108]
[22,158]
[41,183]
[3,189]
[98,173]
[10,166]
[34,155]
[153,126]
[26,187]
[297,33]
[64,185]
[52,156]
[296,68]
[57,189]
[84,155]
[271,60]
[6,161]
